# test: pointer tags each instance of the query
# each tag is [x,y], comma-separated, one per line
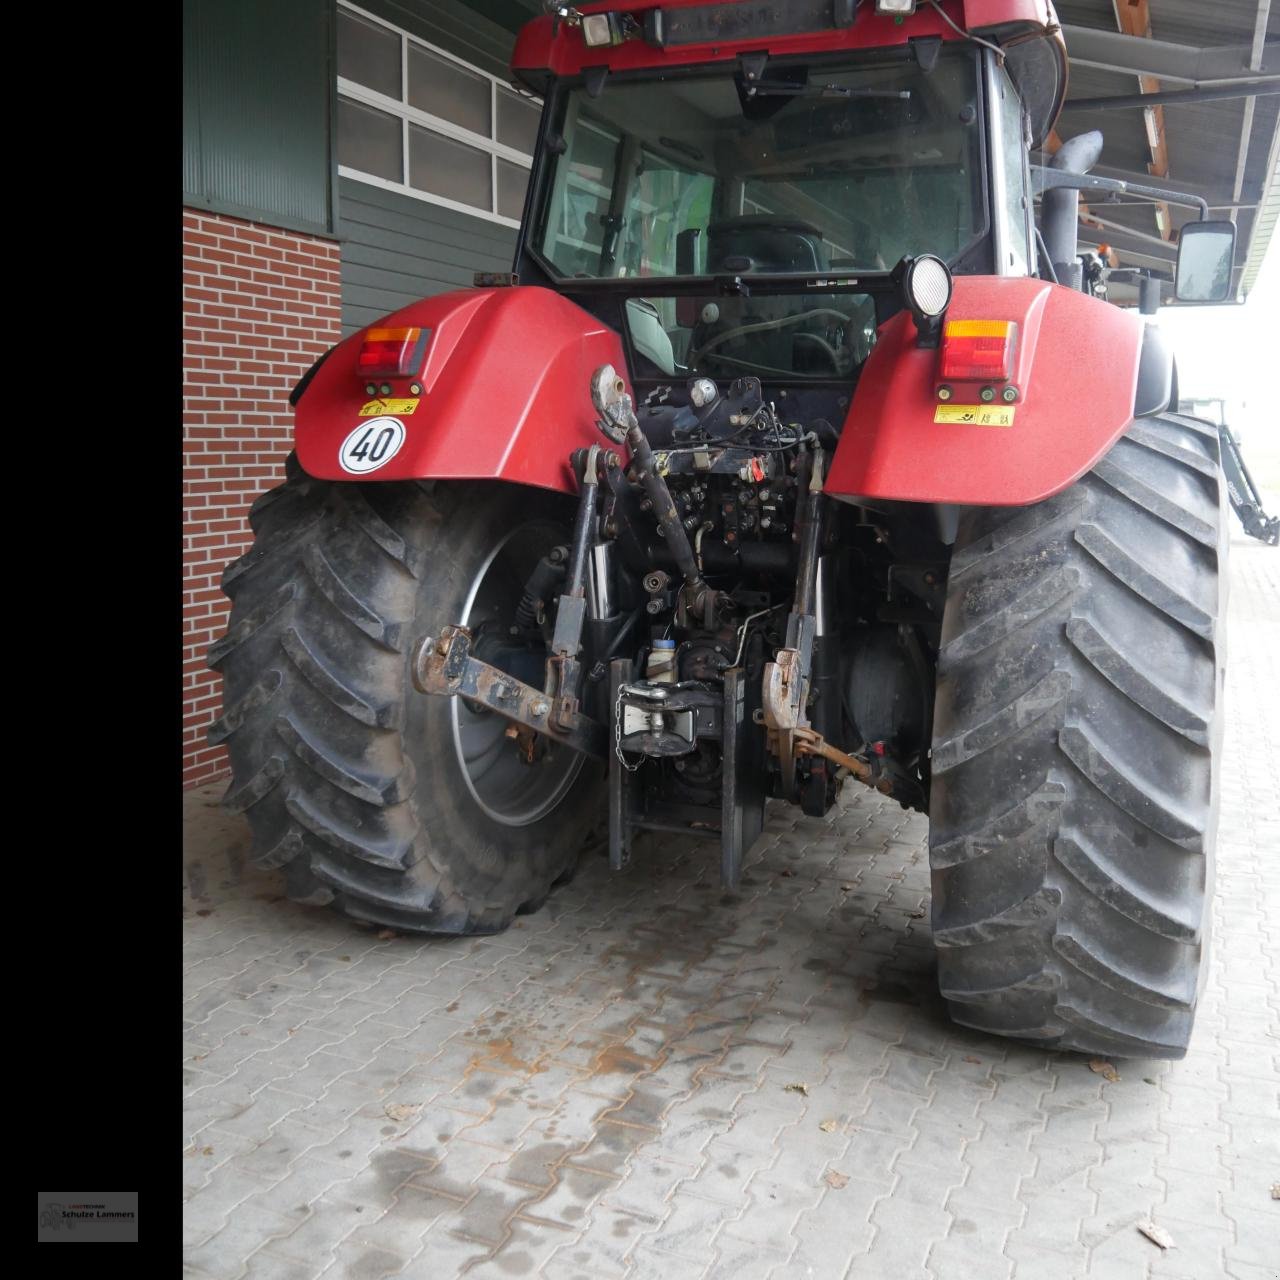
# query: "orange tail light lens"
[978,350]
[392,353]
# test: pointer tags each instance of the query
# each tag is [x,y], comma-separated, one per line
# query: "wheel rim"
[506,788]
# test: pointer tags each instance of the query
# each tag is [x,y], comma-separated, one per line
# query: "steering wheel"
[841,361]
[763,326]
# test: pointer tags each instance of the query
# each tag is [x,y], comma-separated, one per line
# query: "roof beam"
[1175,97]
[1140,56]
[1134,19]
[1130,250]
[1111,229]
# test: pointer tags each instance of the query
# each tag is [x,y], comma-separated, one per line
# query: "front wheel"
[1075,753]
[410,811]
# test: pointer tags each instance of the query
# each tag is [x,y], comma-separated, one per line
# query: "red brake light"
[978,350]
[392,353]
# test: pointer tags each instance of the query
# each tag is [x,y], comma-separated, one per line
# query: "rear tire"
[1076,735]
[353,784]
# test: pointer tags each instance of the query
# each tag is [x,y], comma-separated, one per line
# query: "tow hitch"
[446,666]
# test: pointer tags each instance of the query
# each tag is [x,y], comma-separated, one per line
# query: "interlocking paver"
[582,1099]
[690,1224]
[568,1200]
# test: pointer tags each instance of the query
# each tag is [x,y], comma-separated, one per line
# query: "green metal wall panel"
[396,249]
[259,92]
[192,182]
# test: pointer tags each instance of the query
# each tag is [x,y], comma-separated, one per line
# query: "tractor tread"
[234,716]
[1158,441]
[983,633]
[240,798]
[1025,818]
[1024,710]
[329,684]
[1107,657]
[1110,974]
[1126,786]
[250,623]
[1077,723]
[1031,912]
[342,791]
[1114,885]
[1151,500]
[392,852]
[1144,582]
[376,789]
[1029,522]
[344,599]
[362,513]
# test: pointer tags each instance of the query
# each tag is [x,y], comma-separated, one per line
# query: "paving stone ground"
[645,1079]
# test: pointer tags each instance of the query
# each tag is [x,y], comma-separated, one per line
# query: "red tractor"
[792,452]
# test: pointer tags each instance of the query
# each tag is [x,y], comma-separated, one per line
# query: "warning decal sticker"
[374,407]
[976,415]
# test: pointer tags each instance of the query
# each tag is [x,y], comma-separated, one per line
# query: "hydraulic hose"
[664,508]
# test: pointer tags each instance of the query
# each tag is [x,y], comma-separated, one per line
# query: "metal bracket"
[620,798]
[786,679]
[742,801]
[1045,179]
[446,667]
[785,689]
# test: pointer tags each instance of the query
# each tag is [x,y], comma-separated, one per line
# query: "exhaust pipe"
[1060,215]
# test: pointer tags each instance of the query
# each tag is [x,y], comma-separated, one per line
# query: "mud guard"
[1077,373]
[504,392]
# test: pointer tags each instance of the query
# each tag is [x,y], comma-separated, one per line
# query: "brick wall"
[259,305]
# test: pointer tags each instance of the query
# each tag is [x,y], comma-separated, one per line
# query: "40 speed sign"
[371,445]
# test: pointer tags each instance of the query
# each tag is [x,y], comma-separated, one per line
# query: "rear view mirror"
[1206,254]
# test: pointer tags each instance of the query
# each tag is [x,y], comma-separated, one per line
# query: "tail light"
[393,353]
[978,350]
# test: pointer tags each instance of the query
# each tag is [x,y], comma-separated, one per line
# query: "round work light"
[928,286]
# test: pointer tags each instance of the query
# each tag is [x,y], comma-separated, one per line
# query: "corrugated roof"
[1268,213]
[1203,139]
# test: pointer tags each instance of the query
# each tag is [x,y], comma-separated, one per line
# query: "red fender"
[505,395]
[1077,375]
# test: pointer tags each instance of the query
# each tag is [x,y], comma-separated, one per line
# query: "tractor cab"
[735,211]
